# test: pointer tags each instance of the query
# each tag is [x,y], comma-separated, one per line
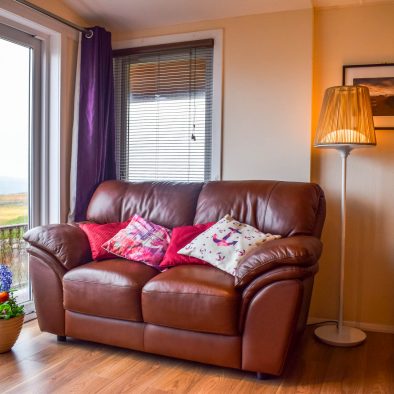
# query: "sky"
[14,109]
[378,86]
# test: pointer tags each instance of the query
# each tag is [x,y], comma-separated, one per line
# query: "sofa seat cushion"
[192,297]
[110,288]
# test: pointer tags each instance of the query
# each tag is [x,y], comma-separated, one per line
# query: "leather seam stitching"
[282,260]
[100,315]
[268,201]
[286,270]
[197,330]
[100,284]
[192,294]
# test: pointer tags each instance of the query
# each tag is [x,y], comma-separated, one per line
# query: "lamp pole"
[344,152]
[341,335]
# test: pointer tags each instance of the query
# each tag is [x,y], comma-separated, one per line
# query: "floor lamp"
[345,123]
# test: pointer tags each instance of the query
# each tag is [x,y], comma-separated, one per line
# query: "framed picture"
[379,78]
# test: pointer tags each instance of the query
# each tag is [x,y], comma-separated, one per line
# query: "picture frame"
[379,78]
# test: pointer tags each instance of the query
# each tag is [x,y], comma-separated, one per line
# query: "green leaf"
[10,308]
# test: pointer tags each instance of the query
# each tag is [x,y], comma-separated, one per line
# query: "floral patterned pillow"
[225,243]
[141,241]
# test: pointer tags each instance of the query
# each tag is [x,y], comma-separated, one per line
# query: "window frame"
[217,36]
[50,119]
[34,45]
[56,39]
[34,130]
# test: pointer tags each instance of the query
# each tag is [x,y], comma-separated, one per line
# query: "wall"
[60,9]
[267,93]
[356,35]
[266,134]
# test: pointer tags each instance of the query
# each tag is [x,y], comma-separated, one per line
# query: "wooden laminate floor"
[39,364]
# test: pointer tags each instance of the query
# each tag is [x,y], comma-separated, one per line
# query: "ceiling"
[144,14]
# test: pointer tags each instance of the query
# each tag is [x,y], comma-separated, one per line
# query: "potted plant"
[11,314]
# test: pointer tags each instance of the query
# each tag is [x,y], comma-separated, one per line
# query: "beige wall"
[266,130]
[356,35]
[266,95]
[70,52]
[266,133]
[60,9]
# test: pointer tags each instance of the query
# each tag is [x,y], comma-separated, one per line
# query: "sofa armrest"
[299,250]
[67,243]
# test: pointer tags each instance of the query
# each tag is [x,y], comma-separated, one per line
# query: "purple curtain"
[96,134]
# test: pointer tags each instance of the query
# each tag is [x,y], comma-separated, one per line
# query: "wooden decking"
[39,364]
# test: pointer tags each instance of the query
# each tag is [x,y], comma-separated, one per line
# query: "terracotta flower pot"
[9,332]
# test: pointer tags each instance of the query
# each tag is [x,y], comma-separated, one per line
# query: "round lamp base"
[348,336]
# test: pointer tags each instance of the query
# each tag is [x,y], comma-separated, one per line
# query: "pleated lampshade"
[346,118]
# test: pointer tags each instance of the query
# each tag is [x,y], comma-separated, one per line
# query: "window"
[163,105]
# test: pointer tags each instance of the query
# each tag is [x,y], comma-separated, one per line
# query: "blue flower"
[5,278]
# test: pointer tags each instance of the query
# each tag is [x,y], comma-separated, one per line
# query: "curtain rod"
[88,32]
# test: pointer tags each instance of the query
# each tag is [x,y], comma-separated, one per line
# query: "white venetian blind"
[163,106]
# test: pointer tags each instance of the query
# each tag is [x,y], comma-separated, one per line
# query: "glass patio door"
[19,151]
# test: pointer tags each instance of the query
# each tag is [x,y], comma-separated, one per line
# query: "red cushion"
[180,237]
[99,234]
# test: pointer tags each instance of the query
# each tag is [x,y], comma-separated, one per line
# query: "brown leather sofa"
[191,312]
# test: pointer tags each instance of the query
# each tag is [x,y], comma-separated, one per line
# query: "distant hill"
[9,185]
[13,209]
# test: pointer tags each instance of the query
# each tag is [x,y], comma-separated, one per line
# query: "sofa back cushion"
[165,203]
[284,208]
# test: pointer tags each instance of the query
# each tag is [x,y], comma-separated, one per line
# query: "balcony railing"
[13,253]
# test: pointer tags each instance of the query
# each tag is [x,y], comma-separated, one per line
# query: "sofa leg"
[263,376]
[61,338]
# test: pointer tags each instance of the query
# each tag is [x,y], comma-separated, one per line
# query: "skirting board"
[30,316]
[363,326]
